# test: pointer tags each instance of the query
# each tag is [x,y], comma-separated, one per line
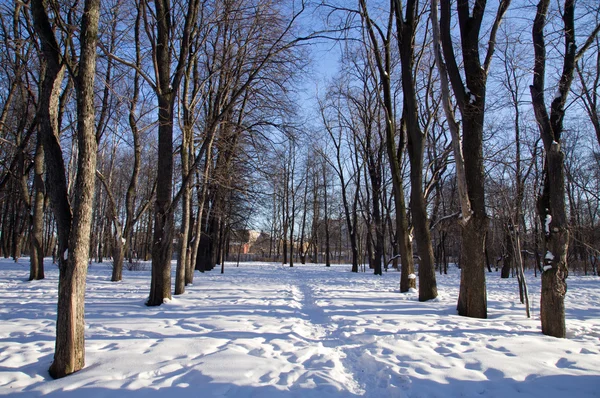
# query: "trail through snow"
[266,330]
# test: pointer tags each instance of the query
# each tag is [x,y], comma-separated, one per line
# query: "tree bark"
[470,98]
[394,152]
[162,238]
[167,85]
[406,28]
[69,353]
[326,218]
[37,222]
[551,204]
[182,258]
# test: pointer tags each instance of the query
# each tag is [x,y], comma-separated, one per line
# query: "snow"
[558,95]
[547,222]
[549,256]
[412,276]
[66,254]
[265,330]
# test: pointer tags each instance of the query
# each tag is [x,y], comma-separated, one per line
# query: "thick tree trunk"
[551,208]
[167,86]
[162,244]
[472,299]
[551,204]
[469,93]
[162,240]
[69,353]
[65,359]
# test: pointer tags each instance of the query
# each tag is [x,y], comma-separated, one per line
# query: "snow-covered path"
[271,331]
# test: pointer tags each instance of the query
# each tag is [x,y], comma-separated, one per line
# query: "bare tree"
[335,130]
[468,153]
[18,120]
[551,203]
[73,222]
[166,88]
[406,26]
[380,40]
[588,71]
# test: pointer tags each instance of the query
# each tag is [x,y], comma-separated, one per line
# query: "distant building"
[245,241]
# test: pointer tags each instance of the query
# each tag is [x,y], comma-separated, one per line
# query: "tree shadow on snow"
[194,384]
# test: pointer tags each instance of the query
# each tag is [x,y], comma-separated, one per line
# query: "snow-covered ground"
[265,330]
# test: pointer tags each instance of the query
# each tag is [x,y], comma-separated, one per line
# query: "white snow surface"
[267,330]
[547,222]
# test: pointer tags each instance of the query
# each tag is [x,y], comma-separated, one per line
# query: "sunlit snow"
[267,330]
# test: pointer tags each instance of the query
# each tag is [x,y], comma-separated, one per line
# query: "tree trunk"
[395,152]
[69,354]
[551,204]
[472,299]
[197,237]
[167,85]
[469,93]
[326,216]
[508,257]
[118,256]
[406,34]
[551,208]
[407,269]
[37,222]
[162,241]
[182,258]
[70,350]
[301,249]
[160,288]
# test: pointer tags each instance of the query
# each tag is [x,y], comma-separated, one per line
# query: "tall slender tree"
[168,77]
[381,42]
[406,27]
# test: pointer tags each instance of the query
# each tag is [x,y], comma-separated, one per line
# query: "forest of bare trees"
[445,133]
